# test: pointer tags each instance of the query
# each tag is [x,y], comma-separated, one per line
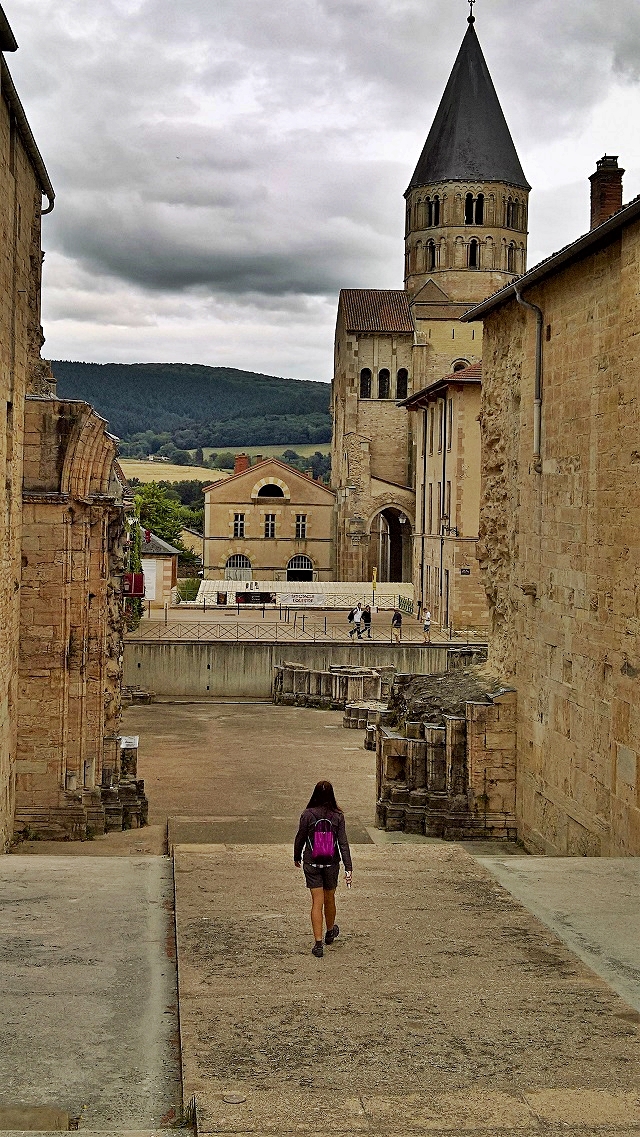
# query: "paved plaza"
[471,990]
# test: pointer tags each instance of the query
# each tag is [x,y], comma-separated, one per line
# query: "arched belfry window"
[431,256]
[474,253]
[384,382]
[479,210]
[365,383]
[511,258]
[513,214]
[433,215]
[402,383]
[468,209]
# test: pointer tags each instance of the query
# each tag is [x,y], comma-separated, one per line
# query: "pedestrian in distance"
[396,626]
[355,617]
[366,621]
[426,627]
[320,844]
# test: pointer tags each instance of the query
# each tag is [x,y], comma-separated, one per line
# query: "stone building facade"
[447,445]
[465,237]
[61,543]
[23,183]
[267,522]
[560,519]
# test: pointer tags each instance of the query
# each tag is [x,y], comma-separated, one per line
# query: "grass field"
[167,472]
[271,451]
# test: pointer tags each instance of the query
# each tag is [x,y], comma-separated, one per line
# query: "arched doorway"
[390,545]
[238,567]
[300,568]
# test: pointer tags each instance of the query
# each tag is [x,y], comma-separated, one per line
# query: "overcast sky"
[223,167]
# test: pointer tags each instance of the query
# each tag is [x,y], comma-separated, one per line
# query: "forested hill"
[197,405]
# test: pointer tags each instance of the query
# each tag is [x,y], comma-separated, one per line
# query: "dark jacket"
[302,847]
[366,618]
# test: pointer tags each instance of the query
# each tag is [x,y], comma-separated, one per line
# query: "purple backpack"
[323,842]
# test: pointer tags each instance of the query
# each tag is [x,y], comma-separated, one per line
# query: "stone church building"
[465,238]
[62,533]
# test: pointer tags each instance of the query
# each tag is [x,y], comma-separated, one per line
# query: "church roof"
[469,139]
[7,38]
[376,310]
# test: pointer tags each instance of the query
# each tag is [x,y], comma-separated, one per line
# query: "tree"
[160,513]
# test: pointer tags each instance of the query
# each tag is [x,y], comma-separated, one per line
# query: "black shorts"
[322,876]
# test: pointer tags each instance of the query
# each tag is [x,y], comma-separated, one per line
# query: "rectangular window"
[238,524]
[439,505]
[431,418]
[450,424]
[447,504]
[431,507]
[269,524]
[440,424]
[301,526]
[428,586]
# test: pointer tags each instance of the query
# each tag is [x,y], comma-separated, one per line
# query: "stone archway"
[390,545]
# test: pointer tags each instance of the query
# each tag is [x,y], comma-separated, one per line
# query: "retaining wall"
[245,670]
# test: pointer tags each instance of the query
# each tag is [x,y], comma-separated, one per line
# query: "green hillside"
[150,405]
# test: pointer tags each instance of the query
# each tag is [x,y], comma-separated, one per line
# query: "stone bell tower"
[466,205]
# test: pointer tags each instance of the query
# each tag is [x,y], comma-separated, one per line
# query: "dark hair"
[324,796]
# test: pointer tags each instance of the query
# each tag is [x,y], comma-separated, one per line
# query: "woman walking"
[321,842]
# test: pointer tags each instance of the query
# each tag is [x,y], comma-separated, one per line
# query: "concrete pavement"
[444,1005]
[592,903]
[87,989]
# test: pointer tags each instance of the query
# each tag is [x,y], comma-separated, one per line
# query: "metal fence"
[301,630]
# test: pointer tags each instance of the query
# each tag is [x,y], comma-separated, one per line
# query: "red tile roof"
[376,310]
[472,374]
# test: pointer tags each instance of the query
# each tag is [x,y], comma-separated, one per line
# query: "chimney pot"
[606,189]
[241,463]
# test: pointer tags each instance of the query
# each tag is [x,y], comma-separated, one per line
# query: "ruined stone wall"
[560,550]
[20,369]
[71,618]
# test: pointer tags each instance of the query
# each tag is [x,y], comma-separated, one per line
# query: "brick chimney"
[606,189]
[241,463]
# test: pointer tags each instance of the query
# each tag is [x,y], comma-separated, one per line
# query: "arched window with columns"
[365,383]
[474,253]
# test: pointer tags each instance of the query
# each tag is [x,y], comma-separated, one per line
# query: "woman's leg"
[317,900]
[329,908]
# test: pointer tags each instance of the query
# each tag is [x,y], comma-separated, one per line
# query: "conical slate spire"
[469,139]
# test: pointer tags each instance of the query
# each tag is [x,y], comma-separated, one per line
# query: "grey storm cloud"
[242,147]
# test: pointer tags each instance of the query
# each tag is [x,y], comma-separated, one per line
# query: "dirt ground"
[249,769]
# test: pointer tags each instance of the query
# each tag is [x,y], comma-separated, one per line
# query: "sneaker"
[332,934]
[317,949]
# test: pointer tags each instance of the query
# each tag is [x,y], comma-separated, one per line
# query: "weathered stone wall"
[561,553]
[20,370]
[71,618]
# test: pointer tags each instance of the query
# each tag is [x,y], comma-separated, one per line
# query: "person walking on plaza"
[366,621]
[356,617]
[320,843]
[396,626]
[427,627]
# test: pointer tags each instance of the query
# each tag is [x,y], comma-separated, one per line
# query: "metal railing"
[302,630]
